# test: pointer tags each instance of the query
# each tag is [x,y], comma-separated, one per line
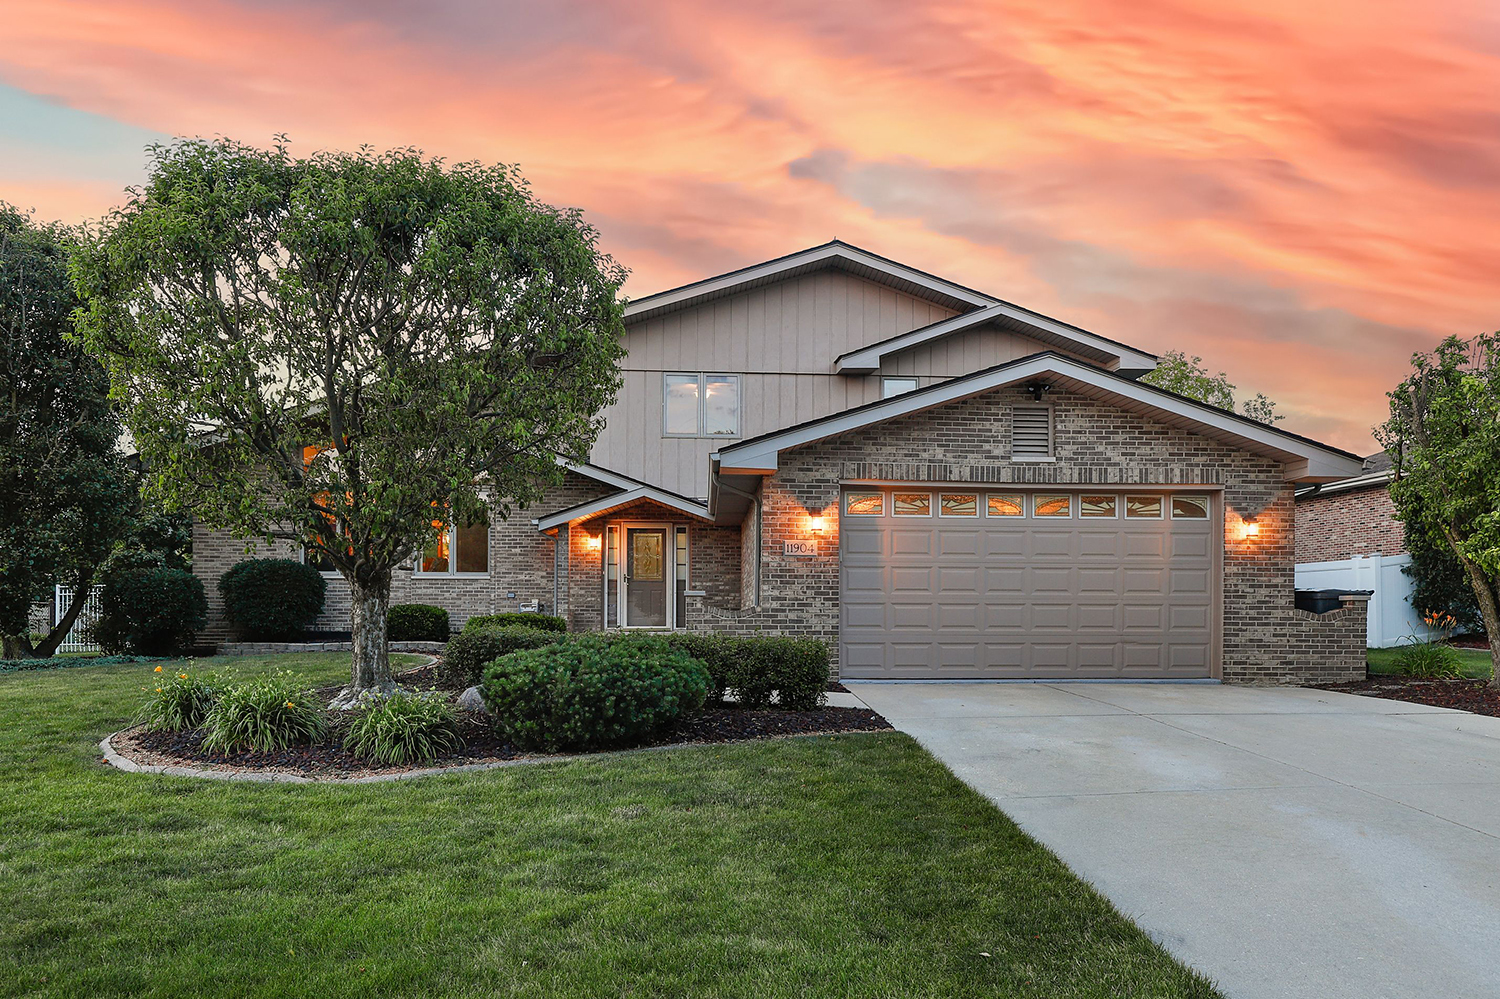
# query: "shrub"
[181,701]
[592,691]
[1428,659]
[147,608]
[417,623]
[272,599]
[469,652]
[795,669]
[268,712]
[542,622]
[403,727]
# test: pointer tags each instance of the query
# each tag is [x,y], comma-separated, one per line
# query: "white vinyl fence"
[77,640]
[1392,618]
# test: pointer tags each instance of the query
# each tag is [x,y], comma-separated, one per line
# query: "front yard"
[827,866]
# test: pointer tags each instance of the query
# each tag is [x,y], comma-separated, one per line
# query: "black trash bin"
[1323,601]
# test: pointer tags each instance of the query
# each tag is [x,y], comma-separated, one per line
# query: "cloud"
[1303,193]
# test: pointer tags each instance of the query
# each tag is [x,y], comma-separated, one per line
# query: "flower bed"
[482,744]
[1465,695]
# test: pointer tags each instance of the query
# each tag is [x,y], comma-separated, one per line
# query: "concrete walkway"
[1286,842]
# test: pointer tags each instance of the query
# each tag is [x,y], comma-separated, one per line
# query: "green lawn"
[834,866]
[1476,662]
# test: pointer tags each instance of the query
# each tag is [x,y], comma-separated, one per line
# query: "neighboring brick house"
[934,481]
[1354,517]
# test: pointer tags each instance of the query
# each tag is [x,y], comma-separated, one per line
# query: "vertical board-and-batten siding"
[781,340]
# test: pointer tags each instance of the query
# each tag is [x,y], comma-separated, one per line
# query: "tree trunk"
[371,601]
[1489,610]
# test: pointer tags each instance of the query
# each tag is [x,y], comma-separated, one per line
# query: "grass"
[1476,662]
[830,866]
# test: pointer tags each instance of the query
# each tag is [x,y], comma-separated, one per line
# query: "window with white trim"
[1031,433]
[896,386]
[700,405]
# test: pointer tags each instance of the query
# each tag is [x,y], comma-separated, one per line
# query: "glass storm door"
[646,582]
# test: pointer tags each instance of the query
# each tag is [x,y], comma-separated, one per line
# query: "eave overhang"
[616,502]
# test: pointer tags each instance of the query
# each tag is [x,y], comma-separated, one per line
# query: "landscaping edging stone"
[267,648]
[114,759]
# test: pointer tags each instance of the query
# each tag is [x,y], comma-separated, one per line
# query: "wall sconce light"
[817,522]
[593,542]
[1249,528]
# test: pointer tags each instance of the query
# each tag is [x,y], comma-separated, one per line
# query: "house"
[1348,537]
[937,482]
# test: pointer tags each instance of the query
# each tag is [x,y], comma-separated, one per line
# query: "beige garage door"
[974,582]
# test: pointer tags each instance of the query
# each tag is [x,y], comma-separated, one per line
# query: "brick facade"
[1264,638]
[521,566]
[1340,525]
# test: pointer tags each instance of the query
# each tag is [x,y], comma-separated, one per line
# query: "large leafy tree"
[1177,372]
[1444,438]
[66,496]
[349,349]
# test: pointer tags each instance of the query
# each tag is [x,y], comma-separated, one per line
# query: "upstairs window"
[896,386]
[704,405]
[1031,433]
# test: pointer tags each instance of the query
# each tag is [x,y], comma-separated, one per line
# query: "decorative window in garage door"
[1189,507]
[958,505]
[865,504]
[1006,505]
[1097,506]
[1143,507]
[911,504]
[1049,505]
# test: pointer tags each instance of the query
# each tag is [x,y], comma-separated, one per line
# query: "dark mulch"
[482,744]
[1466,695]
[837,688]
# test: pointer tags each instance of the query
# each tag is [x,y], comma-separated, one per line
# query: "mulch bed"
[1465,695]
[482,744]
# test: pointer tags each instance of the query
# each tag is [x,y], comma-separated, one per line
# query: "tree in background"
[1440,584]
[344,350]
[1176,372]
[66,495]
[1444,439]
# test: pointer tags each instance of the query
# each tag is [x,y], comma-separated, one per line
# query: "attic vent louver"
[1031,433]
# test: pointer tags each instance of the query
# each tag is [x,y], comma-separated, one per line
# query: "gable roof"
[1303,459]
[620,500]
[1034,325]
[974,307]
[834,254]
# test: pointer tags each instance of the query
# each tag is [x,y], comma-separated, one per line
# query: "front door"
[646,577]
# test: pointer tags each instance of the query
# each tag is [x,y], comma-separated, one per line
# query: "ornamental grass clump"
[264,713]
[180,701]
[592,692]
[404,727]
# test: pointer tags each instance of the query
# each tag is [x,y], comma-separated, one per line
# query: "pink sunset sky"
[1303,193]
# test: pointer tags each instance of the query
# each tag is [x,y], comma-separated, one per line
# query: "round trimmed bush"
[272,599]
[416,623]
[403,727]
[592,692]
[268,712]
[148,608]
[469,652]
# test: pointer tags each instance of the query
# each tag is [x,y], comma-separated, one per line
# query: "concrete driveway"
[1286,842]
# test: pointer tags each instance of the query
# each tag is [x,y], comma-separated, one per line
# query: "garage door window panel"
[1098,506]
[911,504]
[865,504]
[1143,507]
[1050,505]
[958,505]
[1006,505]
[1189,507]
